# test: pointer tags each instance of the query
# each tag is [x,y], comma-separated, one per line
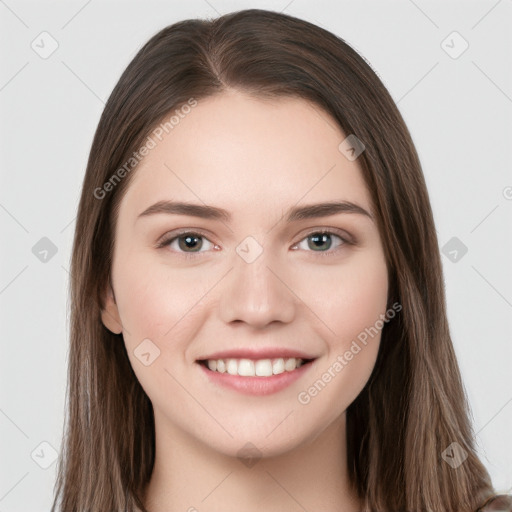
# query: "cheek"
[163,306]
[348,298]
[153,299]
[351,306]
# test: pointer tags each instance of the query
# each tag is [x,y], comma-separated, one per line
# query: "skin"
[255,158]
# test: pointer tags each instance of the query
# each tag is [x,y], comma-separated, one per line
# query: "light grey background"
[459,111]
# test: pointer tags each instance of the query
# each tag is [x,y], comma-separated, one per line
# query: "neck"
[189,476]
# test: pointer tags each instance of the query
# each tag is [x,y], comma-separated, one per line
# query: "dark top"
[500,503]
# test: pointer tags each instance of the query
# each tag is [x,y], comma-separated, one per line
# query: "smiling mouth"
[254,367]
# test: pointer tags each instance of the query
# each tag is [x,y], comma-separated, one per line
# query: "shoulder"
[499,503]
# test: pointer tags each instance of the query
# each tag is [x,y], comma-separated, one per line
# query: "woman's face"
[257,283]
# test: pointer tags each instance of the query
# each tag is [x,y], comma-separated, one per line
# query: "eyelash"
[175,236]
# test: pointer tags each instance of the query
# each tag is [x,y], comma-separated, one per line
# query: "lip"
[258,386]
[257,353]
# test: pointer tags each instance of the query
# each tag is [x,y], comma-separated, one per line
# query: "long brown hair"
[414,405]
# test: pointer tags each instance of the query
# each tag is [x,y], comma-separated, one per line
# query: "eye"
[188,243]
[321,241]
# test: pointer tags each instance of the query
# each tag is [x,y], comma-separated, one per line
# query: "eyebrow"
[294,214]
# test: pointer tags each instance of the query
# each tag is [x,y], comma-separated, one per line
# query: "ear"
[110,313]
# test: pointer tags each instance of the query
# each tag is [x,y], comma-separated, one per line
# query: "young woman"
[258,312]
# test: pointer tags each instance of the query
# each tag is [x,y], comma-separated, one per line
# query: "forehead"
[240,152]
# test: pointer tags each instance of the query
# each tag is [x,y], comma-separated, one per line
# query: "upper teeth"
[251,368]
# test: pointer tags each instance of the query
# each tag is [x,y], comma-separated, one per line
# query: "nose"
[257,293]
